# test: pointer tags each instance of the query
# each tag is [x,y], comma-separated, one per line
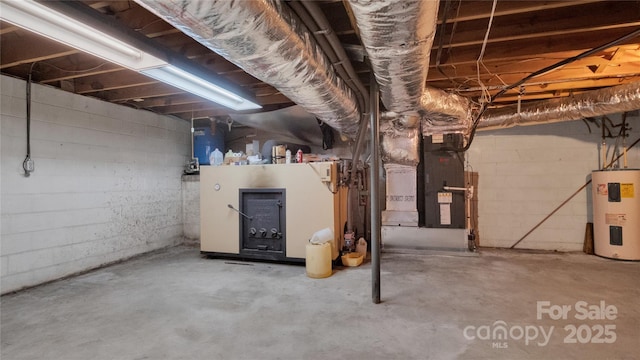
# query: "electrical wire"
[486,96]
[621,134]
[440,32]
[26,164]
[147,25]
[75,71]
[615,145]
[544,70]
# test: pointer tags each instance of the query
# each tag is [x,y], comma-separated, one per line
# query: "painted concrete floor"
[174,304]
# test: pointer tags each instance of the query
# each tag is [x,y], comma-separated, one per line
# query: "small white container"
[322,236]
[361,247]
[216,157]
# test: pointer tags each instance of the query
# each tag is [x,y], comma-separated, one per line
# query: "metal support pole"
[374,189]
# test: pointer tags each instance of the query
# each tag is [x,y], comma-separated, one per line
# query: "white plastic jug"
[361,247]
[216,157]
[322,236]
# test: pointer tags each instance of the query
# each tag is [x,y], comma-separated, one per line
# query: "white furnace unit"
[616,213]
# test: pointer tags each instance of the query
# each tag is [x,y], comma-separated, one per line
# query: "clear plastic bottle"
[288,156]
[217,157]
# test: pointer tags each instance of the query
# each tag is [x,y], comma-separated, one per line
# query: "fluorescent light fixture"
[42,20]
[188,82]
[56,26]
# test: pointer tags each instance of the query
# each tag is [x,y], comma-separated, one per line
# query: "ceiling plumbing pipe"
[322,35]
[320,27]
[317,23]
[267,40]
[343,61]
[603,147]
[374,191]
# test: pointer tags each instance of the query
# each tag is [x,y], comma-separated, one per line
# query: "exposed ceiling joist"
[525,36]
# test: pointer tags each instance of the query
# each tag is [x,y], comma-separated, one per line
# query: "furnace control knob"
[263,232]
[274,233]
[253,231]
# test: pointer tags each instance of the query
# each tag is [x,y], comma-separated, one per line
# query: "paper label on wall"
[603,190]
[445,214]
[401,187]
[615,219]
[626,190]
[445,198]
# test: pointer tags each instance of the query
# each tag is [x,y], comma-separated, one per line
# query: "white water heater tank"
[616,213]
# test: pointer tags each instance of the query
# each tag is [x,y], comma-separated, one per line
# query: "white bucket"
[318,260]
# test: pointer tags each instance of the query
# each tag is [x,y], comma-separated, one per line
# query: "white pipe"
[603,149]
[468,196]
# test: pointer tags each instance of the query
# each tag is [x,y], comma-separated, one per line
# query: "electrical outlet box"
[324,170]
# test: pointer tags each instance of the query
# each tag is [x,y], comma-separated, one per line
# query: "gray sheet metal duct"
[266,40]
[401,121]
[399,145]
[293,122]
[588,104]
[398,36]
[444,113]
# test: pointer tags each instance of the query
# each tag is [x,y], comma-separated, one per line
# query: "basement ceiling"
[524,37]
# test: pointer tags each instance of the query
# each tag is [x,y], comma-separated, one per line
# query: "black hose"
[29,117]
[27,159]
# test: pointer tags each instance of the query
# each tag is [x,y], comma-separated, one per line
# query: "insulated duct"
[444,112]
[292,122]
[268,41]
[588,104]
[399,145]
[398,36]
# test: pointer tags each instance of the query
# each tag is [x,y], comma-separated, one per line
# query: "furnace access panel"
[262,226]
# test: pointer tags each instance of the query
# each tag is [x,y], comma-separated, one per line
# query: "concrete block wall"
[106,186]
[191,209]
[526,172]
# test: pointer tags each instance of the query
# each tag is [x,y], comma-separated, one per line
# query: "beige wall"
[311,203]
